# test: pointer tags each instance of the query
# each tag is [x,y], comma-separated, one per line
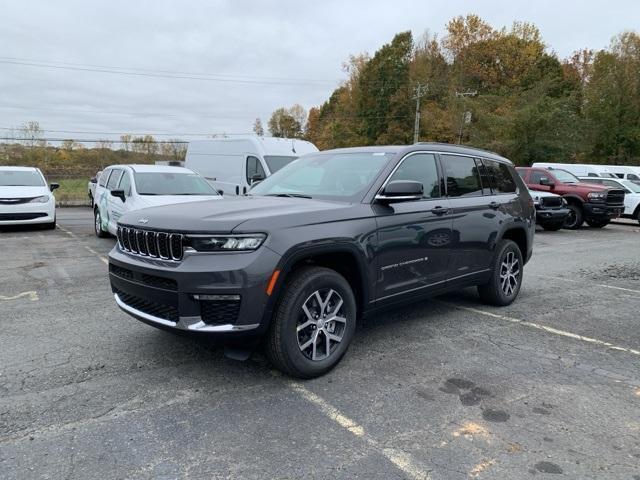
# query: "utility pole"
[464,118]
[421,91]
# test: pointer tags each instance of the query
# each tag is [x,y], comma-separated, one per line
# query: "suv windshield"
[333,176]
[170,183]
[276,162]
[20,178]
[634,187]
[564,176]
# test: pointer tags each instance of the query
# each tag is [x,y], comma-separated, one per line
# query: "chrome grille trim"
[149,243]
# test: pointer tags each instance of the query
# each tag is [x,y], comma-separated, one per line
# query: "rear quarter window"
[463,177]
[500,176]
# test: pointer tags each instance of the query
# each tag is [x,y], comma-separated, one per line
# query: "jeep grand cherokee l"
[330,238]
[595,204]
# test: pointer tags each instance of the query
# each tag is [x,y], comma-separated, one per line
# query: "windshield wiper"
[291,195]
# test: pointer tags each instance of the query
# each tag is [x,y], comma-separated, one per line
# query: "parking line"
[631,290]
[400,459]
[32,294]
[89,249]
[545,328]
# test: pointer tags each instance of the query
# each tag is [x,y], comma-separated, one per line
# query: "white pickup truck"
[91,188]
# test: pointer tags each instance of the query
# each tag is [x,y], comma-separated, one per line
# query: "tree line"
[499,89]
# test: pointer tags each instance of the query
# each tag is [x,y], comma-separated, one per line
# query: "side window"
[103,178]
[125,183]
[610,183]
[536,175]
[500,176]
[254,167]
[420,167]
[632,176]
[463,178]
[114,178]
[522,173]
[486,179]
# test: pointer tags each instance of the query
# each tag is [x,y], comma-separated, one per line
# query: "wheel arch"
[574,199]
[518,235]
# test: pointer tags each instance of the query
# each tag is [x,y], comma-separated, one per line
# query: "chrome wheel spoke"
[306,324]
[321,324]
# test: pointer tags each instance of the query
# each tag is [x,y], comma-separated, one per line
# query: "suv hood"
[23,192]
[249,213]
[145,201]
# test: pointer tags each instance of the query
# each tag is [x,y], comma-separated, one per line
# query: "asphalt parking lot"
[447,389]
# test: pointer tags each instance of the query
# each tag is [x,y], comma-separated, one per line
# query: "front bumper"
[164,293]
[602,210]
[27,213]
[551,216]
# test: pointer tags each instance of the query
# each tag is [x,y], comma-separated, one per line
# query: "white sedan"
[124,188]
[25,198]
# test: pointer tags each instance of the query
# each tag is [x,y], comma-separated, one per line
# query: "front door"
[414,237]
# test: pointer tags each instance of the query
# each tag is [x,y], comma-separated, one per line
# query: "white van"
[579,170]
[232,164]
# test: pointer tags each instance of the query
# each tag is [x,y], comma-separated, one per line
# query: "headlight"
[564,202]
[41,199]
[222,243]
[597,196]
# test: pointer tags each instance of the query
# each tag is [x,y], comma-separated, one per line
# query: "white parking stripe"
[89,249]
[400,459]
[32,294]
[545,328]
[553,277]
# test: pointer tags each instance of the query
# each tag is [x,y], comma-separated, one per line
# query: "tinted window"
[631,176]
[421,168]
[276,162]
[22,178]
[103,178]
[125,183]
[536,175]
[564,176]
[500,177]
[172,183]
[114,178]
[254,167]
[463,178]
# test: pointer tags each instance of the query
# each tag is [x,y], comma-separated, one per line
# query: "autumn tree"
[288,122]
[258,129]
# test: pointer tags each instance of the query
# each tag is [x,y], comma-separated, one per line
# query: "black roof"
[440,147]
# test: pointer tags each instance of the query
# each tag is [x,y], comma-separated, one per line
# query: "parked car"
[91,187]
[125,188]
[595,204]
[551,210]
[232,165]
[631,194]
[25,198]
[329,238]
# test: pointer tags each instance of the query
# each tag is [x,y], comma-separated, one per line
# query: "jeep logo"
[143,221]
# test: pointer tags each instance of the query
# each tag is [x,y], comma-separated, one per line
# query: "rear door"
[475,219]
[414,237]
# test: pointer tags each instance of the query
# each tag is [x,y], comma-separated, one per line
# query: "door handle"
[439,210]
[494,205]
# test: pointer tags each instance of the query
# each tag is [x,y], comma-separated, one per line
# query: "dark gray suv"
[330,238]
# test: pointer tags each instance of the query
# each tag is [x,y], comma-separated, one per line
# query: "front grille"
[615,198]
[167,312]
[219,312]
[121,272]
[15,201]
[21,216]
[148,243]
[551,202]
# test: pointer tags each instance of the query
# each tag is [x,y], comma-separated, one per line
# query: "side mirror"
[53,186]
[221,192]
[546,182]
[256,178]
[401,191]
[119,193]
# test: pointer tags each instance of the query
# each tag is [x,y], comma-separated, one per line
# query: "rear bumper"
[27,213]
[602,210]
[168,294]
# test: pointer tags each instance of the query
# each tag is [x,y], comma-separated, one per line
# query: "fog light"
[217,298]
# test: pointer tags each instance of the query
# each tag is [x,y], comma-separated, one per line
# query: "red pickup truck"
[595,204]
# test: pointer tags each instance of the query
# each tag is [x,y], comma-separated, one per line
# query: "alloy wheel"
[98,223]
[321,324]
[509,273]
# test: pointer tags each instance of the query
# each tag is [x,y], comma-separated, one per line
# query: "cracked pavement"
[86,391]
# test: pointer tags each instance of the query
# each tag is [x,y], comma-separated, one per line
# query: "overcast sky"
[243,58]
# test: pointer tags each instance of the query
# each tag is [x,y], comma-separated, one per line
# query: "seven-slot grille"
[615,197]
[147,243]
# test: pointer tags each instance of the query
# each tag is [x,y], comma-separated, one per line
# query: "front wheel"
[313,324]
[598,223]
[98,225]
[575,218]
[506,278]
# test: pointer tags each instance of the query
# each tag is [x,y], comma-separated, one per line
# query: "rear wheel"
[506,278]
[575,218]
[313,324]
[97,224]
[598,223]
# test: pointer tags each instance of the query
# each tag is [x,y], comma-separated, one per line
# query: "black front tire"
[97,224]
[50,226]
[282,344]
[598,223]
[575,218]
[494,292]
